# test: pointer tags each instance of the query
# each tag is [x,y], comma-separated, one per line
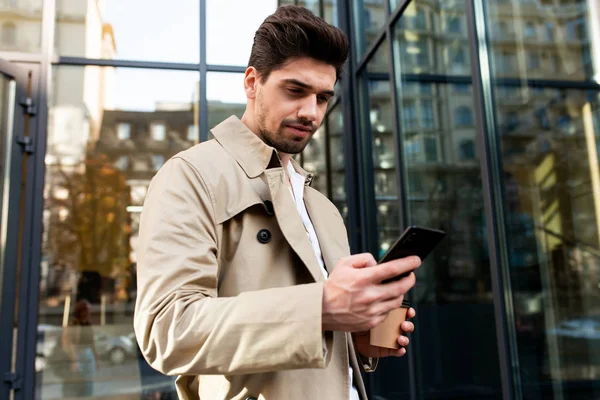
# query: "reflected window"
[123,163]
[463,116]
[530,30]
[409,115]
[9,33]
[91,221]
[467,150]
[124,131]
[549,29]
[454,24]
[192,133]
[427,118]
[158,131]
[157,161]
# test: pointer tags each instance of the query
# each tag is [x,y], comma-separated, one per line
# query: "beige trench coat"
[237,314]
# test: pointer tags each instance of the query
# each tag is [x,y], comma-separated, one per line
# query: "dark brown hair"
[294,32]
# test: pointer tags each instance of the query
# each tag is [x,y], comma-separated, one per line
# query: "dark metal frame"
[14,266]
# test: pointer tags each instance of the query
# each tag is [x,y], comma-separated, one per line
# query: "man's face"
[291,104]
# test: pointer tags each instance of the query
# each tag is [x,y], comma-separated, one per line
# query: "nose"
[309,109]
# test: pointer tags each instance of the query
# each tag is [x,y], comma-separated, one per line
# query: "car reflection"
[113,348]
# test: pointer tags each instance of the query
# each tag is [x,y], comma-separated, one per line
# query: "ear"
[251,81]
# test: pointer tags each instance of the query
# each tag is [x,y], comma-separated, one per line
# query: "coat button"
[264,236]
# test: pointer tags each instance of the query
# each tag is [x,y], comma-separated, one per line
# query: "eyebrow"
[296,82]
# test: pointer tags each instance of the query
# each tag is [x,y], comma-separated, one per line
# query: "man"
[246,289]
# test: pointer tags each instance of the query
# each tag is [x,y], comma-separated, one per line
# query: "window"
[192,133]
[124,131]
[427,118]
[158,131]
[533,61]
[431,146]
[122,163]
[140,165]
[409,115]
[9,33]
[463,116]
[461,88]
[549,27]
[454,24]
[530,30]
[466,150]
[157,161]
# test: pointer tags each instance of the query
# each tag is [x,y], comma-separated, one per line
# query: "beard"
[278,139]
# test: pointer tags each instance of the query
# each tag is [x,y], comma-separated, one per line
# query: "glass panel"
[226,97]
[21,25]
[432,39]
[331,11]
[312,5]
[544,40]
[549,144]
[444,190]
[131,30]
[7,88]
[370,17]
[381,126]
[315,159]
[225,48]
[335,125]
[94,190]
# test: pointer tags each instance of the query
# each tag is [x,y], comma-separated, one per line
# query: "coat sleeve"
[181,325]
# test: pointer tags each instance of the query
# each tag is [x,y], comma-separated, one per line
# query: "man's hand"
[361,340]
[355,300]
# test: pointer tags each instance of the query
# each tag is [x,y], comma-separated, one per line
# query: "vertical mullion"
[203,112]
[491,167]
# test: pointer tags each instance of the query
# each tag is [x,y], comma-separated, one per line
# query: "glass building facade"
[477,117]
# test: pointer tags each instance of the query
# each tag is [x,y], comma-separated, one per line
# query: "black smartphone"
[415,241]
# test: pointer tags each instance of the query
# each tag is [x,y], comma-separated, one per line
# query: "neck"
[248,120]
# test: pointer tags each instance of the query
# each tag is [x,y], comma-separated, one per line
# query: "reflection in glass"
[330,8]
[549,144]
[550,157]
[225,48]
[443,190]
[312,5]
[132,30]
[97,175]
[315,159]
[555,43]
[433,39]
[335,125]
[21,25]
[370,17]
[226,97]
[6,139]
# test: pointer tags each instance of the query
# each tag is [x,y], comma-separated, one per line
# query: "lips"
[301,129]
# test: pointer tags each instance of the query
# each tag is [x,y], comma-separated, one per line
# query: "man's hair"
[294,32]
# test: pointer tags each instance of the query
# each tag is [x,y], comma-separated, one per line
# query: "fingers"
[407,327]
[391,269]
[395,290]
[411,313]
[403,341]
[361,260]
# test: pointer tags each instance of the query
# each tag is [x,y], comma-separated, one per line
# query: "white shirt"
[297,182]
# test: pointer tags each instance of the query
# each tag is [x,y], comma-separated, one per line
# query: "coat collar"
[250,152]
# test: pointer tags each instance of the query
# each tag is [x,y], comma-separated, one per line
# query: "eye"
[294,90]
[323,99]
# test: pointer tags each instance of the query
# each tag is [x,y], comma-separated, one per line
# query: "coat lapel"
[290,222]
[328,226]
